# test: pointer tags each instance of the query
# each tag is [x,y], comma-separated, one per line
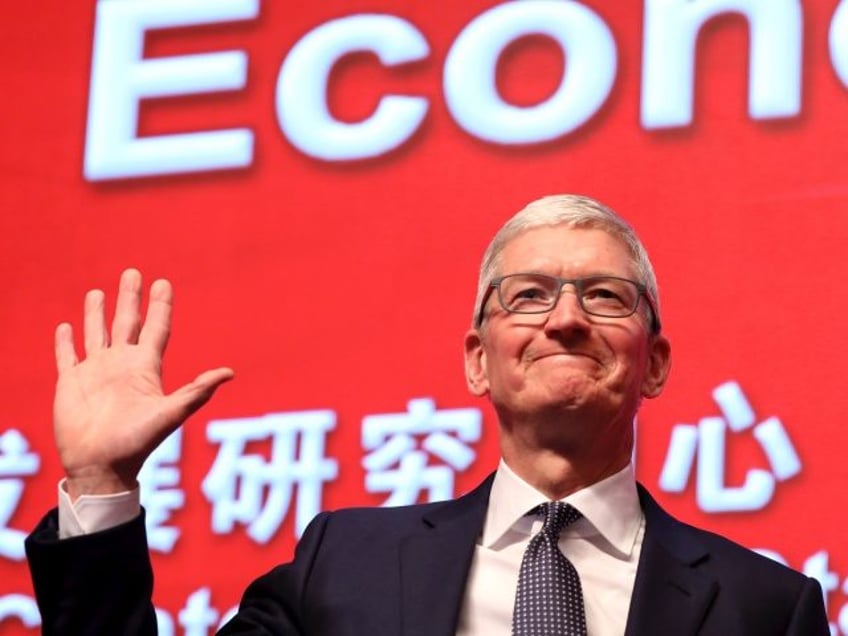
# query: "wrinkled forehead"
[589,246]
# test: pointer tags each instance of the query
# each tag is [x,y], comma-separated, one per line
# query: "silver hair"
[573,211]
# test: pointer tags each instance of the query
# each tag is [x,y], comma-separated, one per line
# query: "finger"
[94,322]
[187,399]
[157,322]
[66,355]
[127,322]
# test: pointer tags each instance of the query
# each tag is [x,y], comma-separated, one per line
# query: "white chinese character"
[395,464]
[15,461]
[159,494]
[21,608]
[708,440]
[238,482]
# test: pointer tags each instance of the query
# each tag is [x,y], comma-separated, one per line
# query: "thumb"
[190,397]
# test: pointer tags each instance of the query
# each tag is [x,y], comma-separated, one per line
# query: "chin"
[569,389]
[558,402]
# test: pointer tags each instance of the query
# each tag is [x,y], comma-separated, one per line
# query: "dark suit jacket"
[402,571]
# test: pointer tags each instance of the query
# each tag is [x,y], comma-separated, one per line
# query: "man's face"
[566,363]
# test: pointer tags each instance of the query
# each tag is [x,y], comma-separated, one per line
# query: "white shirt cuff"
[93,513]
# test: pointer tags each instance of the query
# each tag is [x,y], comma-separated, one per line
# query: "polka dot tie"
[549,600]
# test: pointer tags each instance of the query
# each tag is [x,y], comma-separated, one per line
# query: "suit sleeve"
[274,603]
[809,616]
[95,584]
[102,583]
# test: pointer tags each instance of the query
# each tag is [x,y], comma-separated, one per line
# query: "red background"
[349,286]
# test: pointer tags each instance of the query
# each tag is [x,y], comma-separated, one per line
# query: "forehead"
[564,250]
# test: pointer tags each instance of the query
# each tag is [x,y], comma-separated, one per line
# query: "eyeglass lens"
[600,295]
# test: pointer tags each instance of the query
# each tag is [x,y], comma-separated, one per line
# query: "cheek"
[504,370]
[632,367]
[624,356]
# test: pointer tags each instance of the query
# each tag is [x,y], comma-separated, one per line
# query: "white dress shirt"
[92,513]
[604,547]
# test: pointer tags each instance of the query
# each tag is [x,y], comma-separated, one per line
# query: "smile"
[560,354]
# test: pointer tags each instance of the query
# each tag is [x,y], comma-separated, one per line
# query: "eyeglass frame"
[578,283]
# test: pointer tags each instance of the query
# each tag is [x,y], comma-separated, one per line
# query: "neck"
[558,468]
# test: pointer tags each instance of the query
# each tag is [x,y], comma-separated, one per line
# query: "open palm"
[110,410]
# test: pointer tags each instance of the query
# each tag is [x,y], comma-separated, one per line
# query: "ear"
[475,364]
[658,366]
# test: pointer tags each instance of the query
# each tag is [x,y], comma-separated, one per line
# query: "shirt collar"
[610,507]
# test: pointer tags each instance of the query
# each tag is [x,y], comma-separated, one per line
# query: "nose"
[567,314]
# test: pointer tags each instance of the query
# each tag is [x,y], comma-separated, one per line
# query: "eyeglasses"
[603,296]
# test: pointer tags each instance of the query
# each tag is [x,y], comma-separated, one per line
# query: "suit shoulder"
[726,550]
[713,551]
[405,517]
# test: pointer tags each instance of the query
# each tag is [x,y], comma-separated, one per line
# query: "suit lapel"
[670,595]
[435,562]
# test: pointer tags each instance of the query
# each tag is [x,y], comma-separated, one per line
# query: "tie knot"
[558,514]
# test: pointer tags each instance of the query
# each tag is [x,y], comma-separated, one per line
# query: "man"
[566,342]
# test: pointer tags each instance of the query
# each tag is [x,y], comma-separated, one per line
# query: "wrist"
[97,483]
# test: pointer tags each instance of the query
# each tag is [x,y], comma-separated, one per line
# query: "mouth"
[560,354]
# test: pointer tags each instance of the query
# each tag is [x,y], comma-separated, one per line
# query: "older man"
[566,342]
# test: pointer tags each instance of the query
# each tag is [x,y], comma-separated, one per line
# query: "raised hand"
[110,411]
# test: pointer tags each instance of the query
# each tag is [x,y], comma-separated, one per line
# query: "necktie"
[549,600]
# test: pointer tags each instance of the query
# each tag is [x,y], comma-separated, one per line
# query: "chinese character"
[255,491]
[159,496]
[708,440]
[15,461]
[397,466]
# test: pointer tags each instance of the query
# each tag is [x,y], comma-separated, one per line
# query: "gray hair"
[573,211]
